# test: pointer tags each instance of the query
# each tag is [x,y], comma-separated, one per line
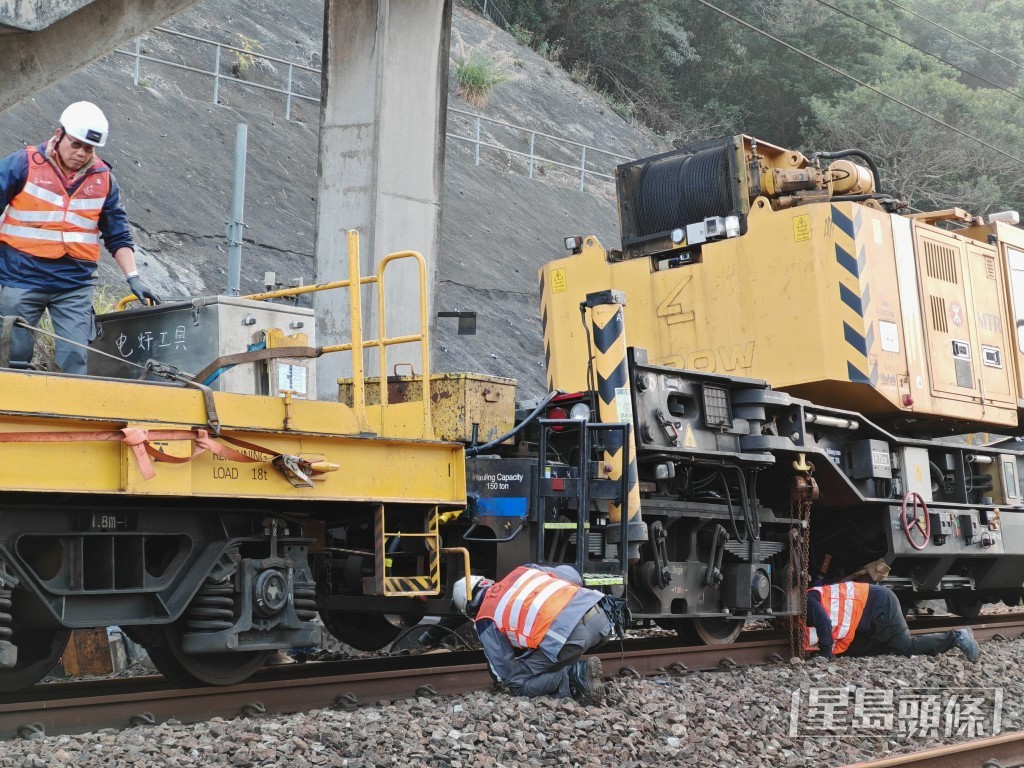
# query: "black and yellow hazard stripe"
[405,586]
[399,586]
[379,553]
[544,305]
[854,297]
[433,545]
[613,390]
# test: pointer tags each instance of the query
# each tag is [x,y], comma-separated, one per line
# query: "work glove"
[141,290]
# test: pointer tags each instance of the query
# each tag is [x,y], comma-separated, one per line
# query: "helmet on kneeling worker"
[477,589]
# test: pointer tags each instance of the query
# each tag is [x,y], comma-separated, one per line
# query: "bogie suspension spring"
[305,601]
[213,608]
[6,618]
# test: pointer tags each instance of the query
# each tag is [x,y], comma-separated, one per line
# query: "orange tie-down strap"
[145,453]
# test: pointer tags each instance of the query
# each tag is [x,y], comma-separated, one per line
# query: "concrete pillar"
[382,139]
[42,42]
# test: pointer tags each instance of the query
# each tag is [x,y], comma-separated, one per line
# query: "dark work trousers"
[883,629]
[72,316]
[537,675]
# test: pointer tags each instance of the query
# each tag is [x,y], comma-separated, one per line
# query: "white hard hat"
[477,586]
[86,122]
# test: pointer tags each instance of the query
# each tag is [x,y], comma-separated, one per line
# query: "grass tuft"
[476,76]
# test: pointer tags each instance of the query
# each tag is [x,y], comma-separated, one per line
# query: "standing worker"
[867,620]
[536,624]
[60,198]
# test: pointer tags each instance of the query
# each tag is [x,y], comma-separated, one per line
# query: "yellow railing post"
[423,337]
[355,303]
[358,343]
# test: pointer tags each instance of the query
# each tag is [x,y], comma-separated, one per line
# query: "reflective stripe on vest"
[844,604]
[525,603]
[44,221]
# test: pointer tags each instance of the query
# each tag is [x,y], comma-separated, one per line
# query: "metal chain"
[801,499]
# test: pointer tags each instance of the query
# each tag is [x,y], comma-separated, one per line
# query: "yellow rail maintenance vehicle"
[204,522]
[801,342]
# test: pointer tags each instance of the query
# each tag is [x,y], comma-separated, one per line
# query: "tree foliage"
[690,71]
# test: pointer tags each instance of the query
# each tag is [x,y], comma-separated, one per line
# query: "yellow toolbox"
[457,402]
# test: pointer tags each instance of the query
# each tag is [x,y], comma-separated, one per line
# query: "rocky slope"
[172,151]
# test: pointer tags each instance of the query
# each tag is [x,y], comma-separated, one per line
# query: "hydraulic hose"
[732,516]
[858,198]
[476,450]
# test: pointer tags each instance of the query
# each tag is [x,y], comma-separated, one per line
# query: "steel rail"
[79,707]
[83,706]
[1005,751]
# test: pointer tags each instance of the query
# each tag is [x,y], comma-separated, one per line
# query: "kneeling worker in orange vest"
[865,620]
[535,625]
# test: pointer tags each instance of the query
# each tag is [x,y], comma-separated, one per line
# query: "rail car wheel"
[187,670]
[38,652]
[363,631]
[967,606]
[708,631]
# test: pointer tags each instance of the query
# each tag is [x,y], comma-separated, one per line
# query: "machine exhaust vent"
[939,322]
[990,267]
[940,262]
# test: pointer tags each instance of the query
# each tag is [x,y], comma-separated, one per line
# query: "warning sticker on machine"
[623,407]
[801,227]
[291,378]
[558,282]
[689,439]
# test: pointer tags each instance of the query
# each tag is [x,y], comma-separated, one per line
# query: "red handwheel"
[919,519]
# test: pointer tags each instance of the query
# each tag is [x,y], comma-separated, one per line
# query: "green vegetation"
[688,71]
[476,75]
[245,59]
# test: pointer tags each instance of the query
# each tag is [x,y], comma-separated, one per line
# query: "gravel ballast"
[731,717]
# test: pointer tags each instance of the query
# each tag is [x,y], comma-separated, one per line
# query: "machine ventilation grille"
[940,261]
[939,314]
[990,267]
[717,410]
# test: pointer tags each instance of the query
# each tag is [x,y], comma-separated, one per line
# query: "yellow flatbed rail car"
[213,526]
[84,440]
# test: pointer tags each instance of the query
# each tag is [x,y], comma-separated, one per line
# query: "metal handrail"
[216,73]
[357,345]
[246,51]
[539,133]
[531,157]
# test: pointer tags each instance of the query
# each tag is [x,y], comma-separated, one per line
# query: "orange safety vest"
[844,604]
[44,221]
[525,603]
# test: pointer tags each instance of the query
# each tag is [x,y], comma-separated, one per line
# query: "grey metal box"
[191,335]
[870,458]
[915,472]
